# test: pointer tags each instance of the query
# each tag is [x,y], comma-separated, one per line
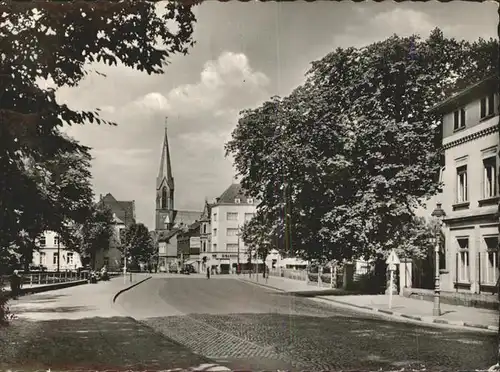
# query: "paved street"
[246,326]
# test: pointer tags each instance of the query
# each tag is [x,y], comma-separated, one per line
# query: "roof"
[165,170]
[164,236]
[124,210]
[207,211]
[475,91]
[186,217]
[235,191]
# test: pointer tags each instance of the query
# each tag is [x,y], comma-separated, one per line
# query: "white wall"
[45,256]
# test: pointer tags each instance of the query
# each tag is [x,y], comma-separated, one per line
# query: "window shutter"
[491,104]
[455,120]
[462,118]
[483,107]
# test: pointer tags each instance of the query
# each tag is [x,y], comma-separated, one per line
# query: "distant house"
[123,216]
[188,246]
[52,255]
[229,213]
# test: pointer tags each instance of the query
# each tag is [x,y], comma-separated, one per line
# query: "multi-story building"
[188,246]
[470,194]
[229,213]
[205,233]
[50,248]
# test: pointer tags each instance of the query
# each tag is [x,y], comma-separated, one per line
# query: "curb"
[262,285]
[130,287]
[422,319]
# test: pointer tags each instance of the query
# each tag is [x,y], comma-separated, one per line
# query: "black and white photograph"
[203,186]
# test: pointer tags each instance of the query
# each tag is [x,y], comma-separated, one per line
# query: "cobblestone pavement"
[116,344]
[241,325]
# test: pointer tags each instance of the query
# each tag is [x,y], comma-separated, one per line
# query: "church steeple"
[165,189]
[165,171]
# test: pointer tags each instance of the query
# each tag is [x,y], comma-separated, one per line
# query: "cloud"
[201,114]
[224,83]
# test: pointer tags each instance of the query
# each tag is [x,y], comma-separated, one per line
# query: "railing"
[44,278]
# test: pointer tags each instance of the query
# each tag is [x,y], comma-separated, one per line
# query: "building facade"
[123,216]
[168,220]
[51,252]
[229,213]
[470,193]
[188,244]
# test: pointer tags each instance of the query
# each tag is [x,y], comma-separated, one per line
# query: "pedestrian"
[208,273]
[15,284]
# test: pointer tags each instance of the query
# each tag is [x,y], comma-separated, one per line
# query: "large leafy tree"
[96,233]
[343,161]
[138,244]
[58,42]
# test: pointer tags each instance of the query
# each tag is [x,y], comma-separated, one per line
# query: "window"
[489,177]
[214,247]
[56,240]
[232,232]
[215,232]
[462,195]
[250,201]
[42,241]
[459,119]
[487,106]
[42,258]
[232,247]
[55,258]
[463,260]
[237,201]
[69,258]
[164,197]
[106,261]
[215,216]
[204,228]
[248,216]
[232,216]
[204,246]
[490,271]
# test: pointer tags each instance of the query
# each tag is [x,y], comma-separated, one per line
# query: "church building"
[169,221]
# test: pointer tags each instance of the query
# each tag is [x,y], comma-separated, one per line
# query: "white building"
[470,193]
[50,249]
[229,213]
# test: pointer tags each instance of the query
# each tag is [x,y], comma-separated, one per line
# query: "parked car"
[188,269]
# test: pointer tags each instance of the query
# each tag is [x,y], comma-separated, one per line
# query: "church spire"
[165,171]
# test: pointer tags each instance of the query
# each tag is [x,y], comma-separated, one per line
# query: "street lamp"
[439,214]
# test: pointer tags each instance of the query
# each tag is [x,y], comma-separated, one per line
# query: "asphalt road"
[245,326]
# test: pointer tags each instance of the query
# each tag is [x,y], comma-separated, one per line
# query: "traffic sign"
[392,259]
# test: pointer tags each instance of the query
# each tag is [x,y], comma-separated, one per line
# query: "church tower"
[165,189]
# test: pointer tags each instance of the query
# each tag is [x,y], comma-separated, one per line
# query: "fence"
[43,278]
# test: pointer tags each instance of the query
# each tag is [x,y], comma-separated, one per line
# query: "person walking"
[15,284]
[208,273]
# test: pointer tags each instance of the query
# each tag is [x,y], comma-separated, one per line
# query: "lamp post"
[439,214]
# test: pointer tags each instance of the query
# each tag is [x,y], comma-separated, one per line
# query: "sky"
[245,53]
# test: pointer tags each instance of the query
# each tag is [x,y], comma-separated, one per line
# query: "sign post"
[392,261]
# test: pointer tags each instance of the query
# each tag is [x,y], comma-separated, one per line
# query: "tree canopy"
[138,244]
[58,42]
[342,163]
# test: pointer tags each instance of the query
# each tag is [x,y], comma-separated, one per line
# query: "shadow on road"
[118,343]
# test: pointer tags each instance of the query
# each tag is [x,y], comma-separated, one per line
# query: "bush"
[369,283]
[5,314]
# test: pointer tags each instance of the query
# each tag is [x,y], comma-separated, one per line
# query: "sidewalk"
[402,307]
